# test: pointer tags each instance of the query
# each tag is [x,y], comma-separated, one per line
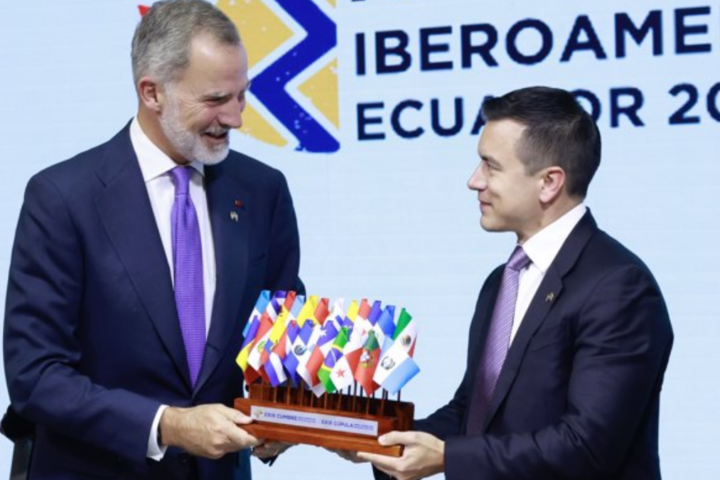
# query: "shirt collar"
[153,161]
[545,244]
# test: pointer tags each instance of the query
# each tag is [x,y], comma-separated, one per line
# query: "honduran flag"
[332,357]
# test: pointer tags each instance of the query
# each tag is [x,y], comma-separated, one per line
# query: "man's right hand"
[206,431]
[348,455]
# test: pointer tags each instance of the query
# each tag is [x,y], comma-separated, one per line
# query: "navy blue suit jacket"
[92,340]
[578,396]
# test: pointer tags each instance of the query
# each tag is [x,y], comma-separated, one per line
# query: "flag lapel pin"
[550,297]
[234,216]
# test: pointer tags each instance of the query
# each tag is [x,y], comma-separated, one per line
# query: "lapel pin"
[234,216]
[239,203]
[550,297]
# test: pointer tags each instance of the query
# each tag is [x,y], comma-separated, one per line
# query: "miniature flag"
[385,328]
[332,357]
[337,314]
[307,311]
[343,373]
[273,367]
[362,324]
[260,306]
[274,307]
[375,312]
[406,332]
[284,344]
[281,322]
[395,369]
[321,312]
[298,349]
[323,346]
[368,363]
[242,359]
[261,338]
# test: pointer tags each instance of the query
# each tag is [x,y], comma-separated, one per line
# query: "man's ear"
[150,93]
[553,183]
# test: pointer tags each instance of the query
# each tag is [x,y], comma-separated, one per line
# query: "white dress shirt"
[542,248]
[155,166]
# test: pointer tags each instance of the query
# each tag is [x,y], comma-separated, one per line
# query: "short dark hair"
[558,131]
[161,44]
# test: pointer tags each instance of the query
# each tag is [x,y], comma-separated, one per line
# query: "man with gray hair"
[136,264]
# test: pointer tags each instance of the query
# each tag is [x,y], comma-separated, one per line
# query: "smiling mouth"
[217,135]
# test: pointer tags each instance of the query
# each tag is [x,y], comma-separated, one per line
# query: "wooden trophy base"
[336,421]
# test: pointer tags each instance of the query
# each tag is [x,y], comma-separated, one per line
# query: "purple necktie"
[187,262]
[497,342]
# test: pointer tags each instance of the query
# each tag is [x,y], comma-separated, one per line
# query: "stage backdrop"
[370,107]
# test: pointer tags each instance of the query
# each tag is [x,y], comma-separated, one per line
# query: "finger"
[397,438]
[235,416]
[241,438]
[372,457]
[262,452]
[381,462]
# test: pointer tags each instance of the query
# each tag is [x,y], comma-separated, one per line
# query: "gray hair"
[161,44]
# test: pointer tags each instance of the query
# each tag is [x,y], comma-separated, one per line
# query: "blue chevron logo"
[293,99]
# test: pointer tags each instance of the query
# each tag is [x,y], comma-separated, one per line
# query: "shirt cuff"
[154,450]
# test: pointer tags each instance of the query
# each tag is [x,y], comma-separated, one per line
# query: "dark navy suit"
[579,394]
[92,339]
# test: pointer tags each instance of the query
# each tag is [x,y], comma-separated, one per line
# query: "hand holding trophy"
[312,372]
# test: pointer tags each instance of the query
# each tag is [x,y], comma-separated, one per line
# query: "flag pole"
[354,401]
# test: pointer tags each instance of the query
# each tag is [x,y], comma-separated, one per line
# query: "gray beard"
[186,143]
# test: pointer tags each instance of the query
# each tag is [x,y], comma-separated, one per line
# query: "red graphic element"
[341,373]
[143,9]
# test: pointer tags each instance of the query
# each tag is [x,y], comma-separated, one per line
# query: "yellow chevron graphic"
[262,32]
[322,90]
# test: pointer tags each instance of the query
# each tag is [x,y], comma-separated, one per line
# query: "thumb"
[395,438]
[241,419]
[236,416]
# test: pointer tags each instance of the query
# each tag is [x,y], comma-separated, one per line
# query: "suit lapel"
[126,214]
[230,227]
[548,293]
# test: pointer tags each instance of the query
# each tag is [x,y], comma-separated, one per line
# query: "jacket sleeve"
[42,350]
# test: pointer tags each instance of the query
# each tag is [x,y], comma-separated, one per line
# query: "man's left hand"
[423,456]
[270,449]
